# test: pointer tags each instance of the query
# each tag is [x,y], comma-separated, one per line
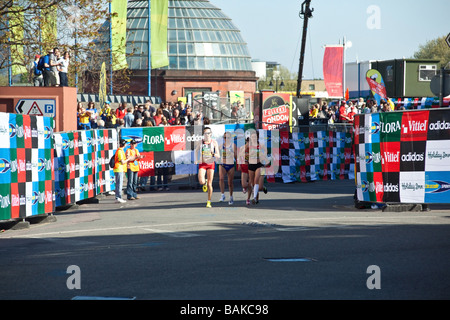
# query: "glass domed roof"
[200,37]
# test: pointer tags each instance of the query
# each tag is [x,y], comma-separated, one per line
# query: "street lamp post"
[276,83]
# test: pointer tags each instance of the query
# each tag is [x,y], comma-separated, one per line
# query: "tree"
[30,27]
[436,49]
[280,73]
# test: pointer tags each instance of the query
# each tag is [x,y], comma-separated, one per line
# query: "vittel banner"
[413,148]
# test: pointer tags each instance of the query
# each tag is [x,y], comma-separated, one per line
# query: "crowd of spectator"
[345,111]
[173,114]
[141,115]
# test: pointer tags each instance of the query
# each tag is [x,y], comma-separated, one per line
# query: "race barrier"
[26,166]
[82,164]
[403,157]
[419,103]
[321,155]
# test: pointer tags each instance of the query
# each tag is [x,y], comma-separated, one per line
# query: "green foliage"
[67,24]
[434,49]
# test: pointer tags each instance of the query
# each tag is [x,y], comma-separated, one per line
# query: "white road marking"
[293,223]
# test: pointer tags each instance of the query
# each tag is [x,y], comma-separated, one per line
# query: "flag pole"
[149,57]
[9,57]
[343,63]
[110,51]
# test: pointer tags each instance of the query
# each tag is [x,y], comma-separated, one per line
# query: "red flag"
[333,70]
[347,95]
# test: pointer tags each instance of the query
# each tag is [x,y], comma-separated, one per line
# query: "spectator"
[323,114]
[91,106]
[54,64]
[314,111]
[120,123]
[106,111]
[62,69]
[120,167]
[241,110]
[351,114]
[183,110]
[187,117]
[166,110]
[180,106]
[385,107]
[331,115]
[121,110]
[79,106]
[147,123]
[94,114]
[234,112]
[139,112]
[164,122]
[132,170]
[129,118]
[366,108]
[373,106]
[38,78]
[175,116]
[49,77]
[198,121]
[391,105]
[85,119]
[138,122]
[148,117]
[111,120]
[361,104]
[149,107]
[343,113]
[100,124]
[158,116]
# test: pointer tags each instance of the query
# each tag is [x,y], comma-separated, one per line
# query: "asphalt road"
[302,241]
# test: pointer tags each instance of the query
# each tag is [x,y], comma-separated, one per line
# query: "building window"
[426,72]
[312,87]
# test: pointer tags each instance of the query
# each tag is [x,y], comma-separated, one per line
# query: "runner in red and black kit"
[257,155]
[207,153]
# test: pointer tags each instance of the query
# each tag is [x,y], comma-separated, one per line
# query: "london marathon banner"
[276,110]
[26,166]
[403,157]
[333,70]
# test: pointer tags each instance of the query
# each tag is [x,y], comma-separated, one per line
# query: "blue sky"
[273,29]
